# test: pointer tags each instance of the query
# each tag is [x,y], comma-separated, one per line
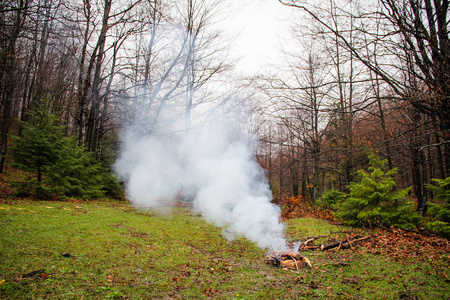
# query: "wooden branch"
[418,232]
[330,246]
[312,247]
[350,243]
[304,245]
[384,228]
[343,245]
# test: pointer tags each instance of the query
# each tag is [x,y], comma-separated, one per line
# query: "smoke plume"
[217,172]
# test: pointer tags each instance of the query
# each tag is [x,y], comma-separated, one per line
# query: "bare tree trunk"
[294,168]
[281,167]
[440,157]
[92,122]
[9,62]
[43,42]
[82,84]
[417,169]
[29,78]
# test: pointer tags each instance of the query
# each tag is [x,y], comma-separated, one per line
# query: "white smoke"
[212,165]
[217,172]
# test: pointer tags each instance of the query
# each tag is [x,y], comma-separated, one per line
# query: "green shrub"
[440,212]
[441,228]
[112,186]
[375,200]
[39,145]
[63,168]
[25,188]
[76,171]
[30,187]
[44,192]
[405,216]
[331,199]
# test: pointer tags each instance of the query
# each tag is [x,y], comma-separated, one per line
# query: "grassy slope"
[119,252]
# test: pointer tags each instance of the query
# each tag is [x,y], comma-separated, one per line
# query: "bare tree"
[413,31]
[13,17]
[95,23]
[178,55]
[206,57]
[110,19]
[298,102]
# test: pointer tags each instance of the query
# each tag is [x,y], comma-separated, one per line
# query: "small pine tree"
[61,166]
[38,146]
[76,171]
[440,212]
[375,199]
[331,199]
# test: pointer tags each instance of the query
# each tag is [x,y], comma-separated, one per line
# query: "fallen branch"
[311,248]
[349,242]
[384,228]
[343,244]
[304,245]
[418,232]
[331,246]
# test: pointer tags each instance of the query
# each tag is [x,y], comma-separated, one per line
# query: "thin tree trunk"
[417,171]
[93,120]
[82,88]
[10,68]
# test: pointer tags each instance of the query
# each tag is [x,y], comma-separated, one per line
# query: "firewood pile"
[293,260]
[289,260]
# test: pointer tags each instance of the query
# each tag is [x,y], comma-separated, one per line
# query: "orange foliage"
[300,207]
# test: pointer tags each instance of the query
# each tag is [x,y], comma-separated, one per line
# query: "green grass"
[118,252]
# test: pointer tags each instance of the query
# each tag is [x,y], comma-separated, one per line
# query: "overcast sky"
[260,26]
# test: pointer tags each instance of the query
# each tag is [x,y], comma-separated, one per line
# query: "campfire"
[289,260]
[293,260]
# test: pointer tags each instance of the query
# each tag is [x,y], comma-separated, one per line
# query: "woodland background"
[359,77]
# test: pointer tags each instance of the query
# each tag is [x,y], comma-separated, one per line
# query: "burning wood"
[289,260]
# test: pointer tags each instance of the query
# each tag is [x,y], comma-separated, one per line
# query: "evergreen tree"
[440,212]
[61,166]
[76,171]
[375,200]
[40,143]
[331,199]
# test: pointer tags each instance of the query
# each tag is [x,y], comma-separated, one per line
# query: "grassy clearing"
[114,251]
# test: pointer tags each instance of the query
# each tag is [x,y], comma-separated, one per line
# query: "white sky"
[260,27]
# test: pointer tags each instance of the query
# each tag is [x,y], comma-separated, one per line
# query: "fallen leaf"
[351,280]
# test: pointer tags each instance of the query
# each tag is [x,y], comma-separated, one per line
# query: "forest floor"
[110,250]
